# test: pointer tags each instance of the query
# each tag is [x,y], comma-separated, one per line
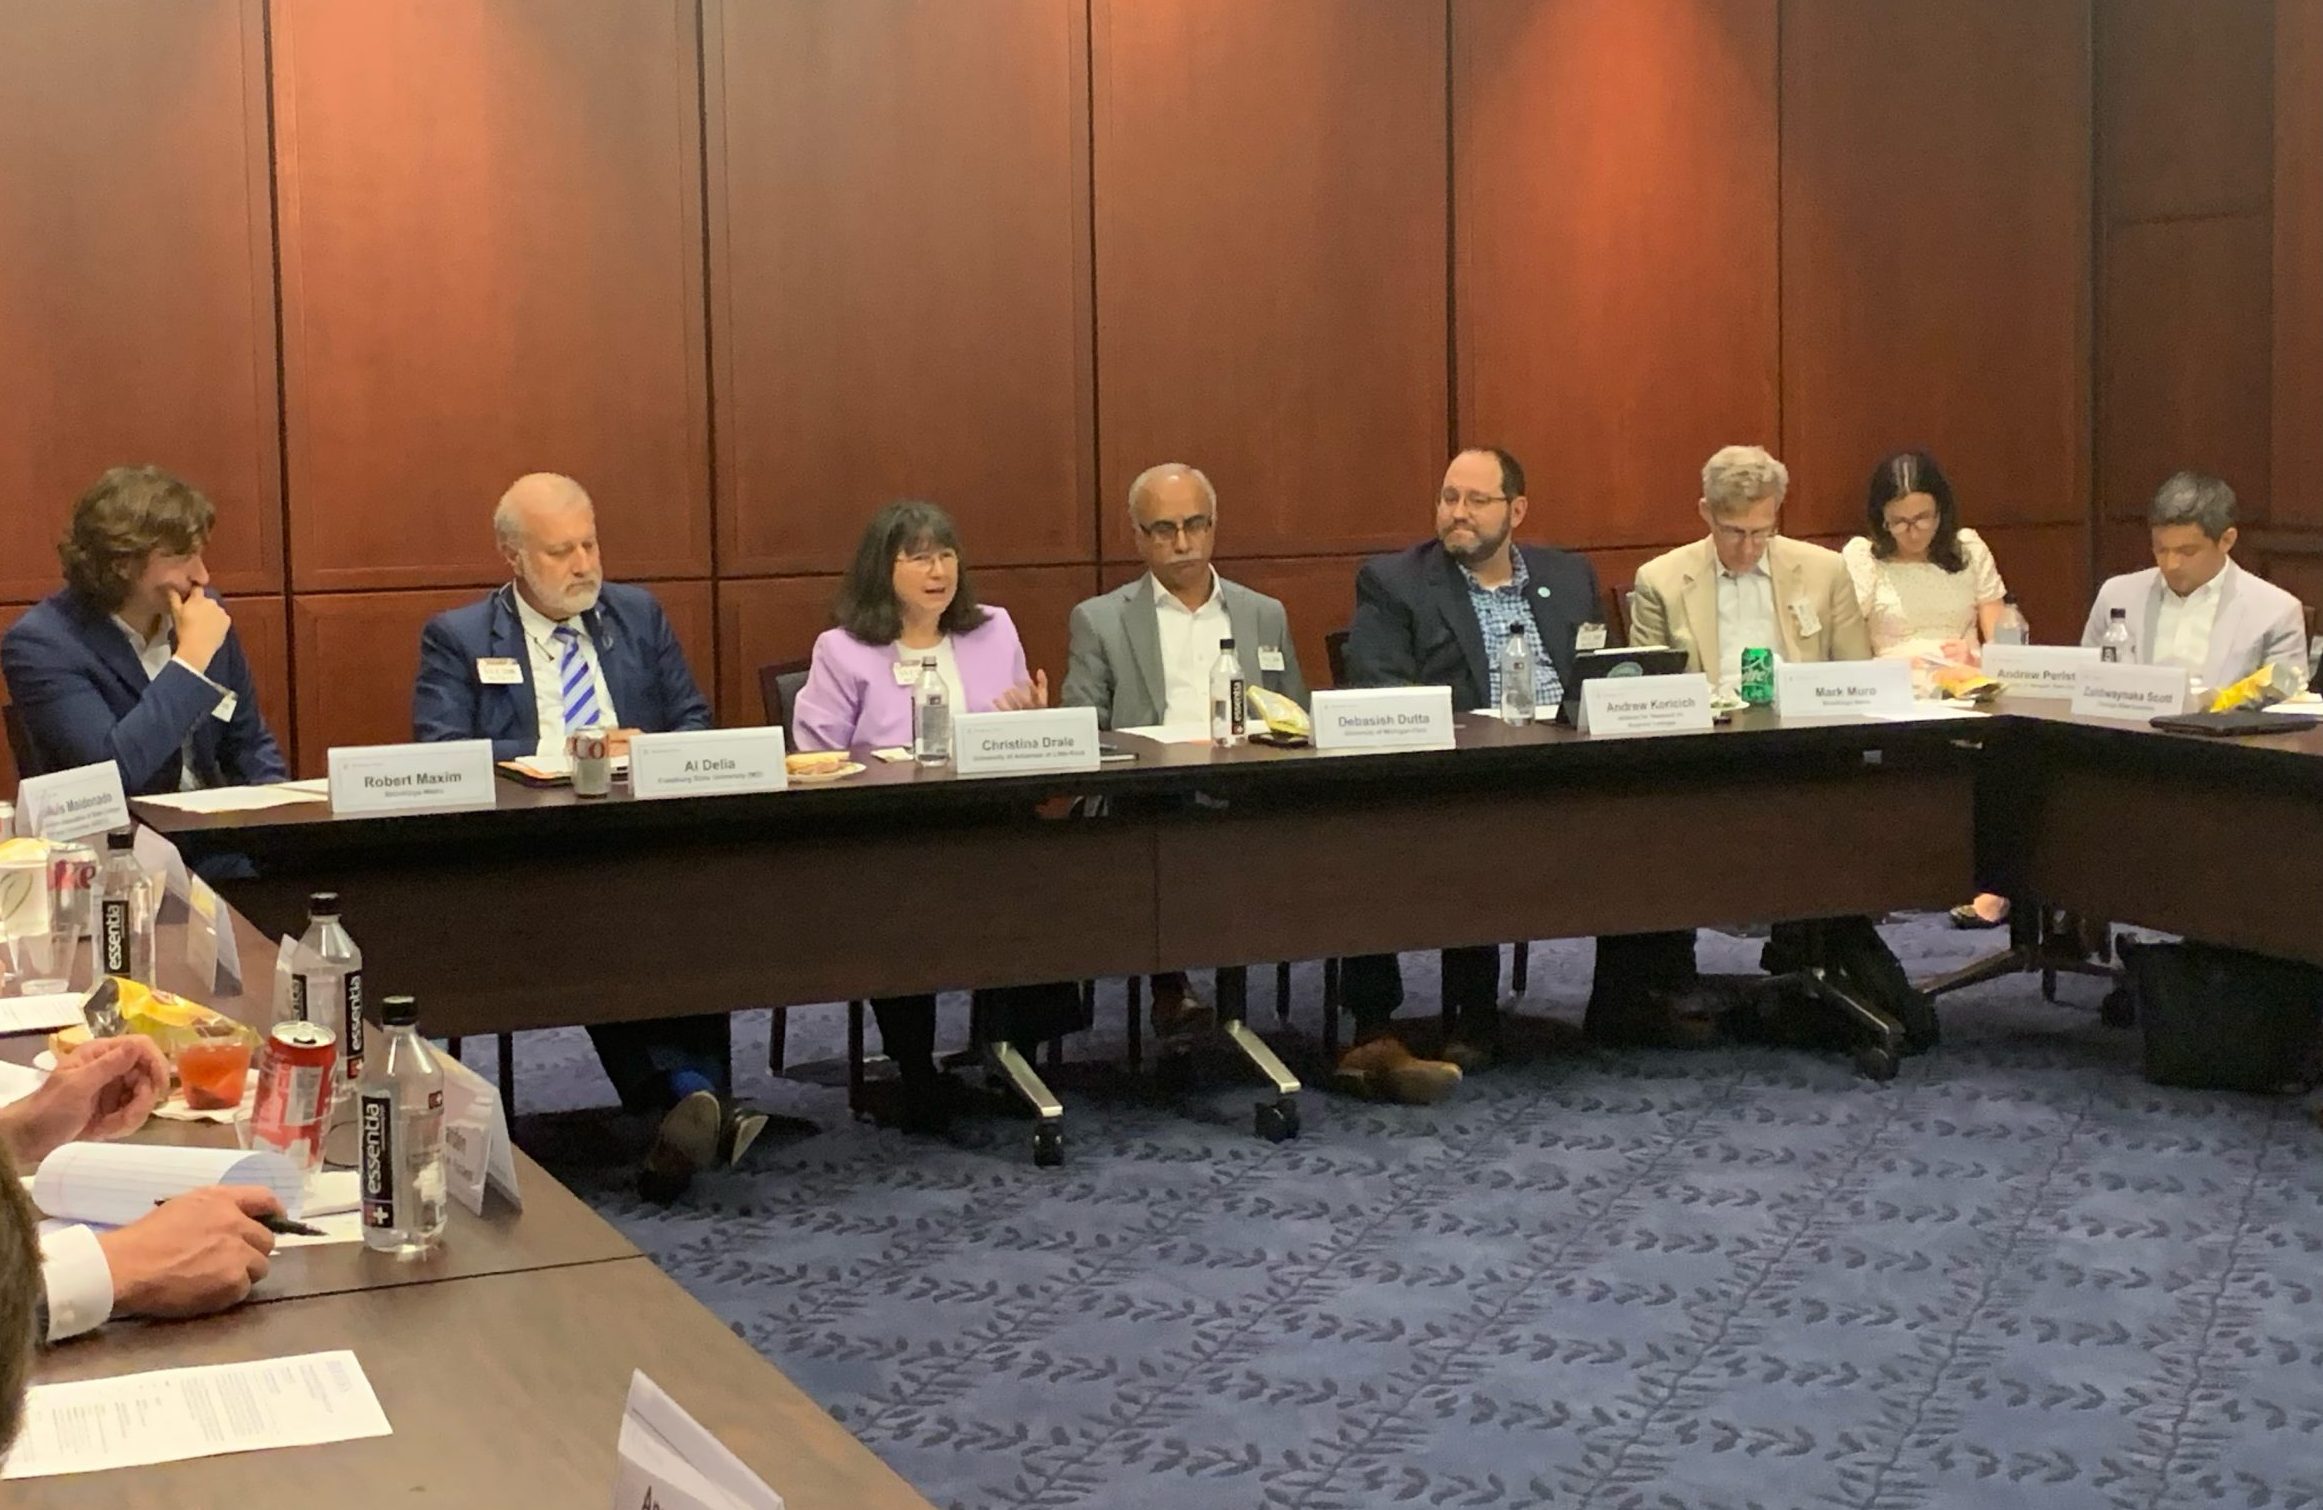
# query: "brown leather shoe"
[1181,1016]
[1384,1070]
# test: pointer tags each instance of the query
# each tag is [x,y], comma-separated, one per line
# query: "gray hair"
[2193,498]
[1152,475]
[549,487]
[1739,476]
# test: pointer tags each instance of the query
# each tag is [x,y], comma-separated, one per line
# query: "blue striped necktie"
[579,683]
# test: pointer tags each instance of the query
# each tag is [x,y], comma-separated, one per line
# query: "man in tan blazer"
[1744,586]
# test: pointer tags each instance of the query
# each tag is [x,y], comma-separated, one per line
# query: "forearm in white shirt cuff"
[79,1282]
[180,660]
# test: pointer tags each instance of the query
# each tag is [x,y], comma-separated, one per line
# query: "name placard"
[704,761]
[1616,705]
[1384,718]
[1025,743]
[2039,670]
[411,778]
[73,804]
[1840,689]
[2126,690]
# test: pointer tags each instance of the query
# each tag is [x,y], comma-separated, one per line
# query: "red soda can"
[294,1092]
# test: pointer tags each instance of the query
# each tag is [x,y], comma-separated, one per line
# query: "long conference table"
[1207,857]
[501,1361]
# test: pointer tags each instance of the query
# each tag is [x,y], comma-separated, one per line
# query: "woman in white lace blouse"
[1929,589]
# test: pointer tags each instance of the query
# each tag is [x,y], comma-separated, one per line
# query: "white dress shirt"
[1189,648]
[548,682]
[1746,617]
[78,1280]
[154,654]
[2182,632]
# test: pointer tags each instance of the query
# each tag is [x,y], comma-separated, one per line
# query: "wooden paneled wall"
[748,268]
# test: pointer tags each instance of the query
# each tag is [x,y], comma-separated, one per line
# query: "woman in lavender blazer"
[904,602]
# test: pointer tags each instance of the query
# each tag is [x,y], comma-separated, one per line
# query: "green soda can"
[1758,676]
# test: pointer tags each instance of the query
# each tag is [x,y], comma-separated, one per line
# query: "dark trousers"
[1021,1015]
[1372,984]
[1634,969]
[639,1057]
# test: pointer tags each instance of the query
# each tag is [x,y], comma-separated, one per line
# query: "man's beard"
[1485,548]
[568,601]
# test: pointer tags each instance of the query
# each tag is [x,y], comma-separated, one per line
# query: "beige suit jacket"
[1675,603]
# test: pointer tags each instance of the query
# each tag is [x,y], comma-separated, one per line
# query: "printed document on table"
[172,1414]
[670,1461]
[232,799]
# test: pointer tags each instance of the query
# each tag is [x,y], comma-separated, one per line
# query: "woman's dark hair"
[1900,476]
[866,607]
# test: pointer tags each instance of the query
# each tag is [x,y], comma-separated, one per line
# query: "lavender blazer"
[852,697]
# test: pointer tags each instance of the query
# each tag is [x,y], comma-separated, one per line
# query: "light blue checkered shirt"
[1496,609]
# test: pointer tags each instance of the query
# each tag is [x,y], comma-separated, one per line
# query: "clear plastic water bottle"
[326,988]
[125,910]
[931,717]
[1229,713]
[401,1109]
[2010,628]
[1516,678]
[2117,644]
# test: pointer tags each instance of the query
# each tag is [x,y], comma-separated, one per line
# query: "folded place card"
[412,778]
[2129,691]
[1619,705]
[1384,718]
[1842,689]
[1025,743]
[706,761]
[2039,670]
[73,804]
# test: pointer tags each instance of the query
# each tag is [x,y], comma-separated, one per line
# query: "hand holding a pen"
[198,1253]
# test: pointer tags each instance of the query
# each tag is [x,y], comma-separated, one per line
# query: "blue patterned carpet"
[2017,1276]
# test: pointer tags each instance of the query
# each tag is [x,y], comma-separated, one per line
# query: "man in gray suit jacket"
[2194,607]
[1141,655]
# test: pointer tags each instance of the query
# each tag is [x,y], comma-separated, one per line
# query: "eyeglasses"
[1734,536]
[1452,498]
[1915,523]
[930,560]
[1163,531]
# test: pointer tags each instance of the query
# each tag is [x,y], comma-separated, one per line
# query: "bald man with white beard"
[556,648]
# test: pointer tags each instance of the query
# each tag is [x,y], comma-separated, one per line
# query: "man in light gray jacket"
[1141,655]
[2194,607]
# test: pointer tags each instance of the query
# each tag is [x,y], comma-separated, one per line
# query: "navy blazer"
[1414,625]
[84,697]
[637,652]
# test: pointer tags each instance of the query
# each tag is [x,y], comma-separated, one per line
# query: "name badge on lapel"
[1588,637]
[1270,658]
[224,712]
[1804,619]
[499,671]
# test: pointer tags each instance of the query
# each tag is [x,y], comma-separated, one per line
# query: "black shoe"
[923,1106]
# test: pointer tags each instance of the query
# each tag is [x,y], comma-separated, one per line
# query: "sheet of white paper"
[330,1191]
[477,1148]
[232,799]
[18,1081]
[1923,712]
[668,1460]
[161,858]
[113,1184]
[40,1014]
[338,1227]
[1170,734]
[318,786]
[173,1414]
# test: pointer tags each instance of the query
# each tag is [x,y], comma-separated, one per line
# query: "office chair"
[1877,1039]
[1520,965]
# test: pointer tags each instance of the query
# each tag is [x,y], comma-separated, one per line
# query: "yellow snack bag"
[1280,714]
